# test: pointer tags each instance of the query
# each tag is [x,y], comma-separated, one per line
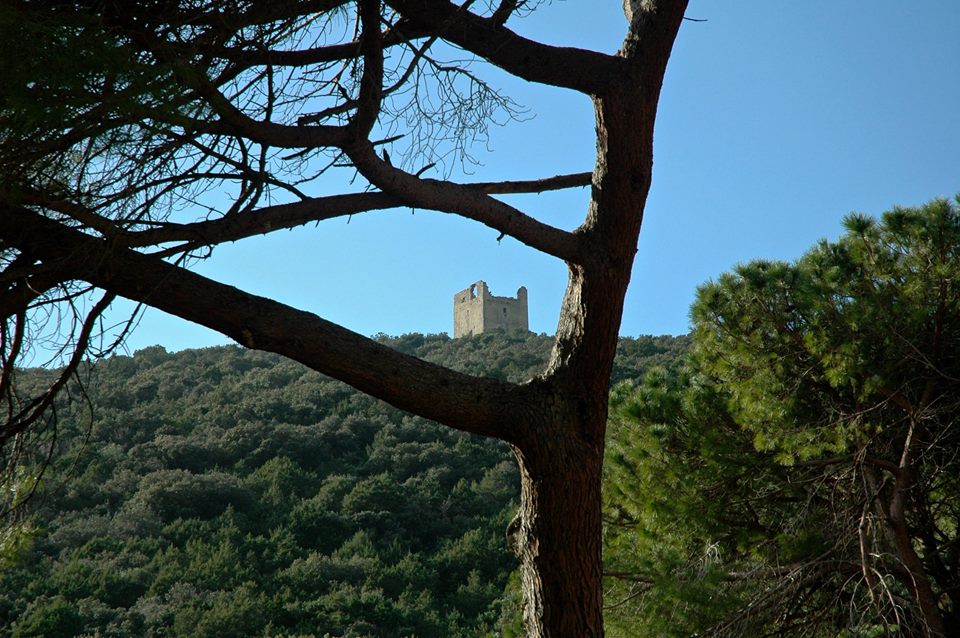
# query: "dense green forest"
[225,492]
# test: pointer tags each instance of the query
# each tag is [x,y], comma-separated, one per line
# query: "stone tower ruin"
[476,311]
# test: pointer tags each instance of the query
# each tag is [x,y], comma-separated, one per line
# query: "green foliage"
[226,492]
[687,502]
[800,477]
[53,618]
[17,528]
[808,350]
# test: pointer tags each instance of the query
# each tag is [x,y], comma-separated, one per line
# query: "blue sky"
[777,118]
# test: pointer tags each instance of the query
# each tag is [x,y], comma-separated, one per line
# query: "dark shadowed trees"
[130,122]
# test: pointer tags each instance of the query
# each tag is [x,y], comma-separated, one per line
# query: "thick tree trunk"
[556,533]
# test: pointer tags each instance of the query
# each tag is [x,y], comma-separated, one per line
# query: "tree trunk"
[918,582]
[556,533]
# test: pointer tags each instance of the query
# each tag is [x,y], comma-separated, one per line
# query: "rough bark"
[556,533]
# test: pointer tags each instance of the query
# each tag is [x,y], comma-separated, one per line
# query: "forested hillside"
[224,492]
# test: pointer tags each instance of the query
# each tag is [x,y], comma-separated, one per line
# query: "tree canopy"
[807,462]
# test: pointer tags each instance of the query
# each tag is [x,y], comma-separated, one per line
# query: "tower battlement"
[476,311]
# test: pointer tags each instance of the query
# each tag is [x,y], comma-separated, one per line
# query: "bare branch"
[262,221]
[371,82]
[472,404]
[38,407]
[283,216]
[585,71]
[466,202]
[399,34]
[233,121]
[556,182]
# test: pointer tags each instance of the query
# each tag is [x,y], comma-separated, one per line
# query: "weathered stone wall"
[476,311]
[468,310]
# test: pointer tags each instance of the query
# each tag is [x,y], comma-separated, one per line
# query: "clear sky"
[777,118]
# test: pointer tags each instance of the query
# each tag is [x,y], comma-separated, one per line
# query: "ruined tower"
[476,311]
